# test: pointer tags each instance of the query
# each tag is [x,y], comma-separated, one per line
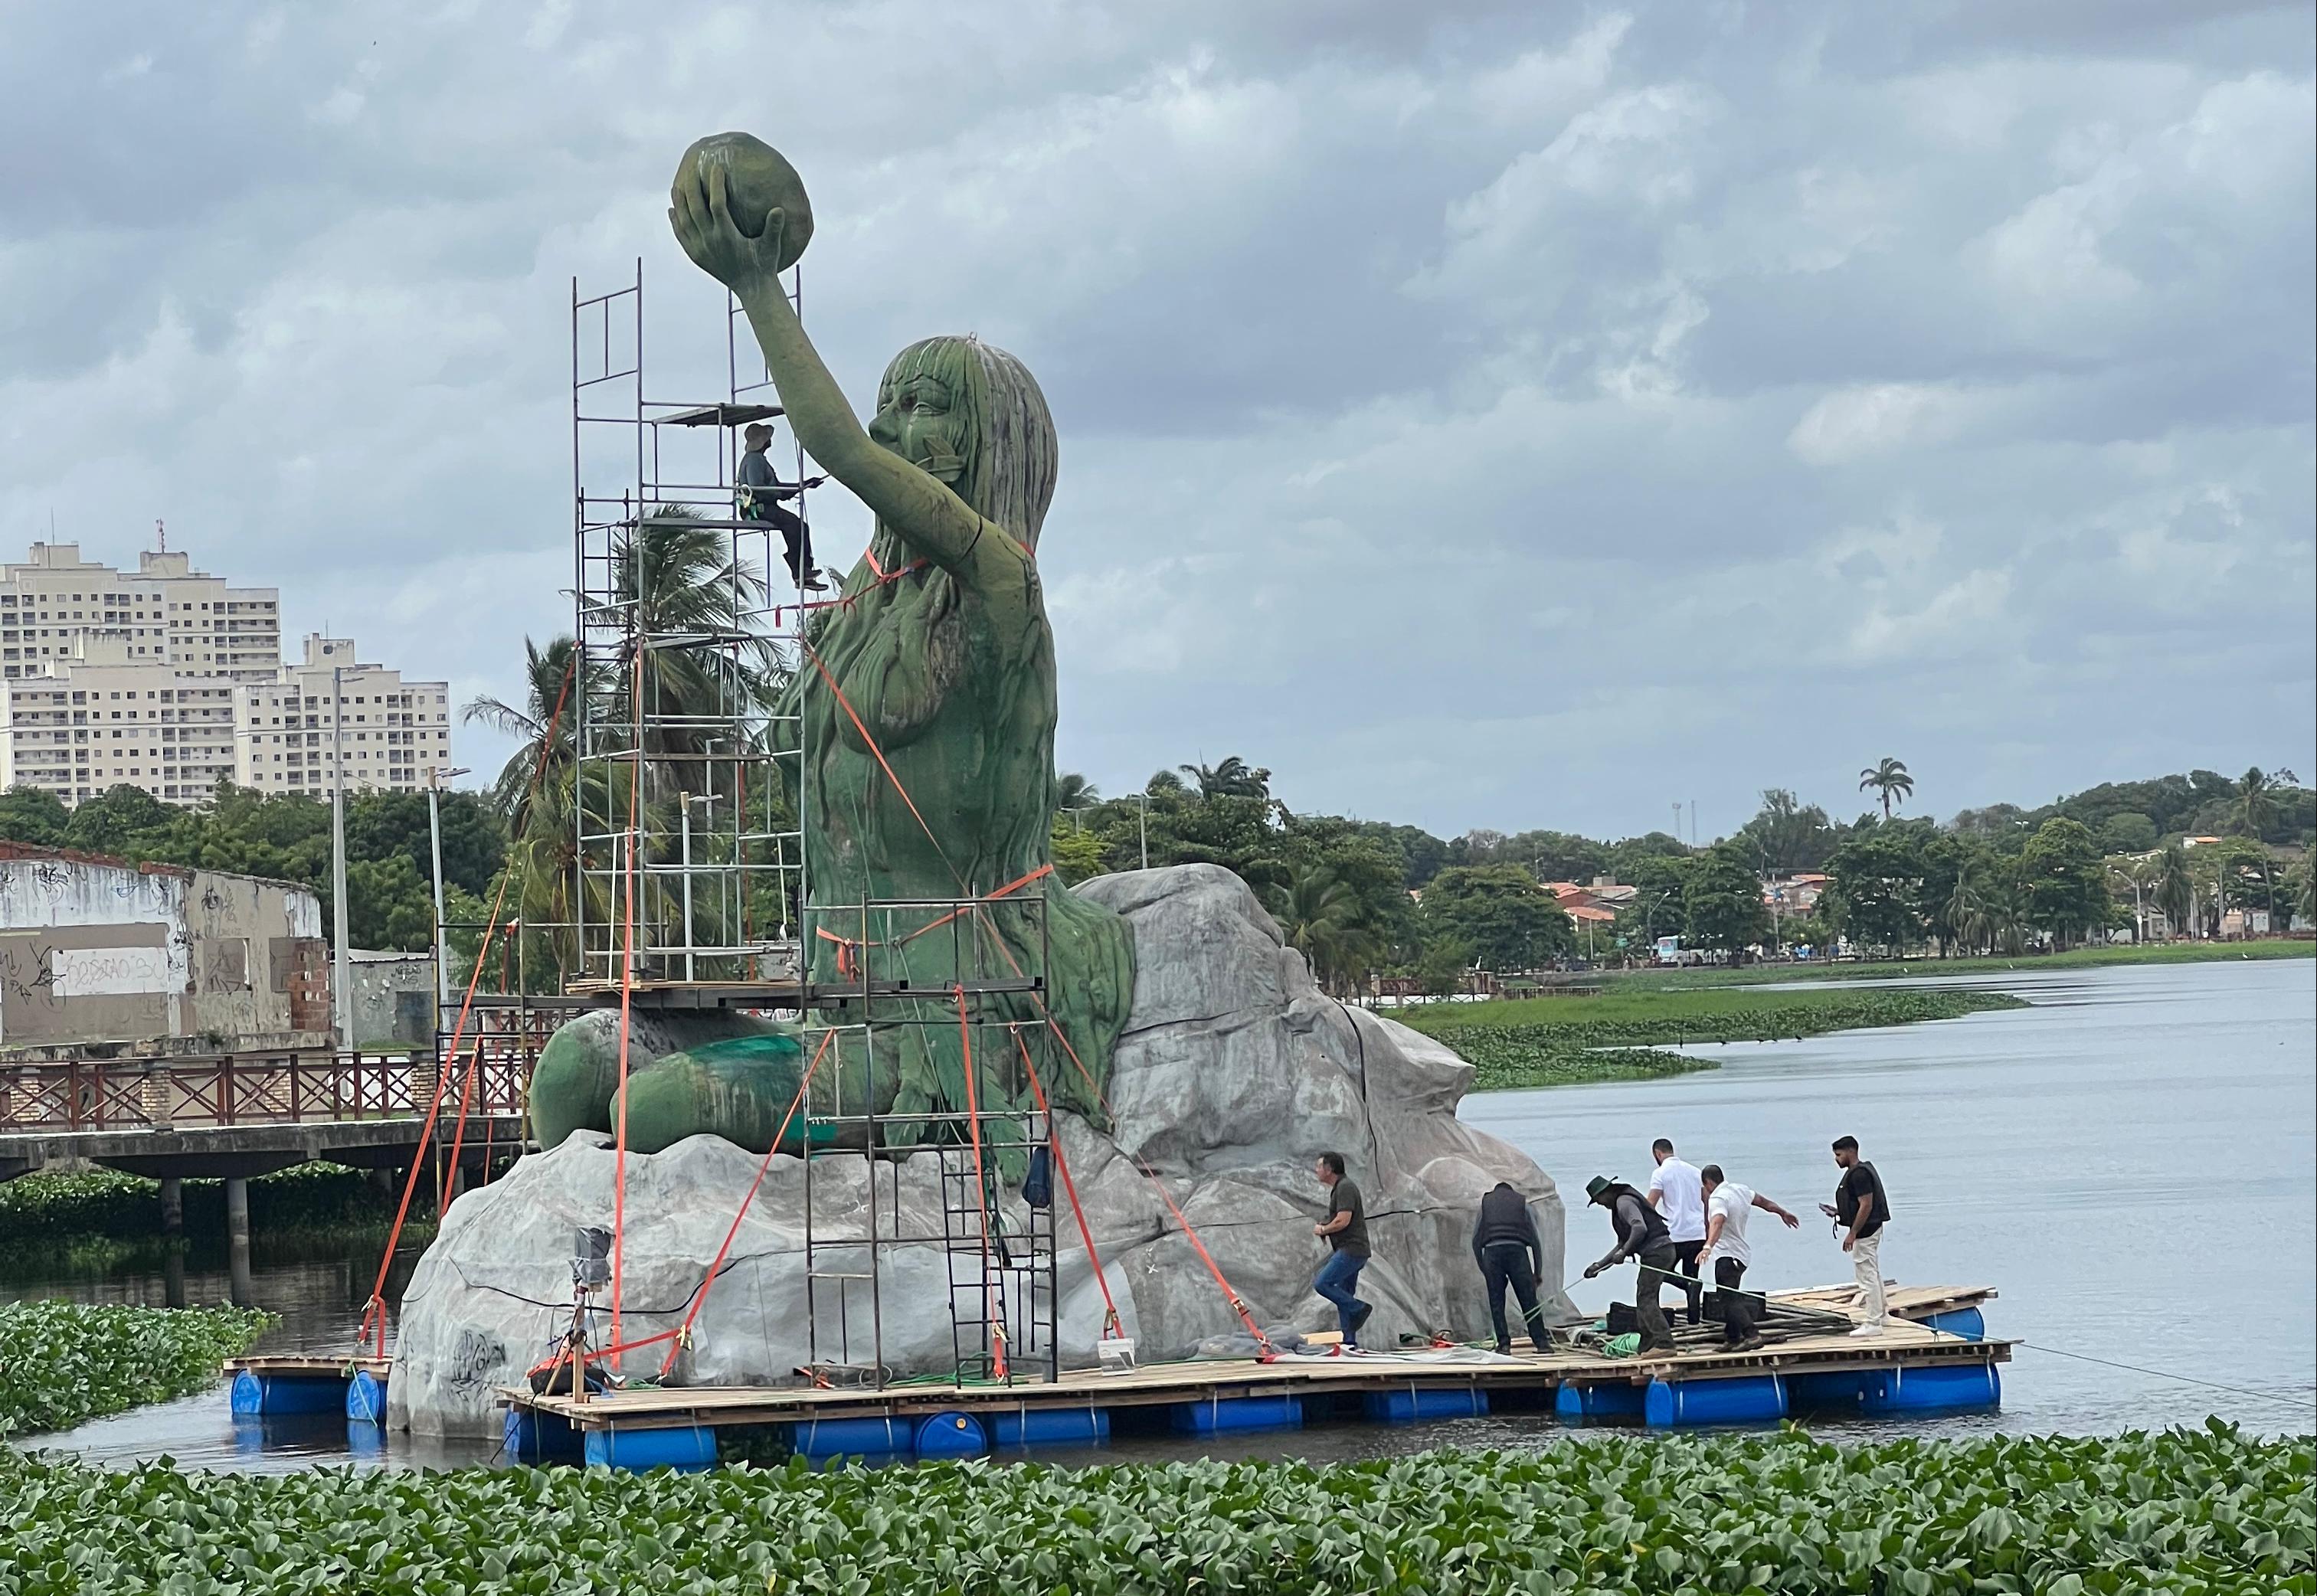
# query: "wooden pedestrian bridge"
[235,1114]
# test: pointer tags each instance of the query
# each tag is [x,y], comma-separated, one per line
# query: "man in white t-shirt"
[1675,1193]
[1727,1205]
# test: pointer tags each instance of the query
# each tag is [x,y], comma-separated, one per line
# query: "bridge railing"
[257,1089]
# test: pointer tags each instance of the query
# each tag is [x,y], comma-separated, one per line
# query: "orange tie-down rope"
[849,962]
[1110,1322]
[708,1282]
[627,1011]
[1190,1234]
[373,1319]
[1239,1306]
[980,1196]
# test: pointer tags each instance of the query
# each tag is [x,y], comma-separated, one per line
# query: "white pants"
[1866,1258]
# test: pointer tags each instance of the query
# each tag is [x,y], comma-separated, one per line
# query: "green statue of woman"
[924,708]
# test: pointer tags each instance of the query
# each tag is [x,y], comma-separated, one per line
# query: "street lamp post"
[341,991]
[1142,824]
[435,777]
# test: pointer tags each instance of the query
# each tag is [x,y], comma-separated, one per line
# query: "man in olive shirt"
[1347,1230]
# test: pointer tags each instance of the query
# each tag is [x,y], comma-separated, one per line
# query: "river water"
[2129,1162]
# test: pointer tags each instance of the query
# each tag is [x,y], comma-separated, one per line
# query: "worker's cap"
[1594,1187]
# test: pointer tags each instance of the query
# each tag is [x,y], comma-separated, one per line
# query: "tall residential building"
[165,612]
[76,724]
[169,680]
[287,728]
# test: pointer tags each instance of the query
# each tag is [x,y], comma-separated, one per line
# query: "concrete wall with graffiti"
[97,953]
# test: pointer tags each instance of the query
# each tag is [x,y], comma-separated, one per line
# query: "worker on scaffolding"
[761,490]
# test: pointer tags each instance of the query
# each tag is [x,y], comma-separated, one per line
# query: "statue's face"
[917,419]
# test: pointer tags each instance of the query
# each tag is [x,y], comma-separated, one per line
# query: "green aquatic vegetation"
[1531,1041]
[63,1363]
[2207,1511]
[1502,1060]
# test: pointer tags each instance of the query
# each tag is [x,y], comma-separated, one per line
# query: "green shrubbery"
[2205,1511]
[62,1363]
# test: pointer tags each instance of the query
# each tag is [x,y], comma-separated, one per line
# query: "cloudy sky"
[1483,416]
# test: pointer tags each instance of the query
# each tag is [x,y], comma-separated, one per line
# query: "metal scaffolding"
[687,822]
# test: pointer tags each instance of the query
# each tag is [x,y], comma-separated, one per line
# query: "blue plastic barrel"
[1965,1323]
[1219,1415]
[1745,1399]
[1932,1388]
[256,1394]
[854,1437]
[950,1435]
[539,1438]
[689,1448]
[1422,1404]
[1576,1403]
[1049,1427]
[366,1398]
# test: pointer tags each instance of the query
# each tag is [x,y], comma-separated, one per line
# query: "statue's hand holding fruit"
[739,210]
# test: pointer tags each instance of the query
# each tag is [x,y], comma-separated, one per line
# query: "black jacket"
[1504,1221]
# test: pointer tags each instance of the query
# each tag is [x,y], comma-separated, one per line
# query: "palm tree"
[546,683]
[1320,917]
[1163,781]
[2254,805]
[706,661]
[1889,778]
[2175,892]
[1074,791]
[1233,778]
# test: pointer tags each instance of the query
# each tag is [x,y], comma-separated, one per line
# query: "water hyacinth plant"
[63,1363]
[1563,1041]
[2203,1512]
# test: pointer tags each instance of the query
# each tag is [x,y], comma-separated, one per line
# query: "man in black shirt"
[1641,1235]
[1347,1230]
[1861,1205]
[1504,1243]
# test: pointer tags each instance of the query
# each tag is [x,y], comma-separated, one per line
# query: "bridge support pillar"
[237,1241]
[173,1235]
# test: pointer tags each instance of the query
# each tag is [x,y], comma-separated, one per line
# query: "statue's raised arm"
[903,465]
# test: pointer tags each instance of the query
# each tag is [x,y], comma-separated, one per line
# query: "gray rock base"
[1234,1074]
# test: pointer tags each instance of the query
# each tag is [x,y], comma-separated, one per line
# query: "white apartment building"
[165,613]
[168,679]
[287,730]
[76,725]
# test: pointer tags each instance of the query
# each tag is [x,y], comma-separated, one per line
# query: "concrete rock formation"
[1233,1072]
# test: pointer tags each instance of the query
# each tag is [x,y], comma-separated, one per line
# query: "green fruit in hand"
[756,178]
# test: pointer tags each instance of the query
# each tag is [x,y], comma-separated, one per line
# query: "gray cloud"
[1482,415]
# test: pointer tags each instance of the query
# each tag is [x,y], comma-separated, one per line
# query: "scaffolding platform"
[1912,1368]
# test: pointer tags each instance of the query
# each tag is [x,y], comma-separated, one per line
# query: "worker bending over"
[1727,1205]
[1510,1251]
[1641,1237]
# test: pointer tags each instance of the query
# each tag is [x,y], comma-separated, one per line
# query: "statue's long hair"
[1008,454]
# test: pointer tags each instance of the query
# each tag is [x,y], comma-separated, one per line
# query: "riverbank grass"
[63,1363]
[2211,1512]
[1621,1035]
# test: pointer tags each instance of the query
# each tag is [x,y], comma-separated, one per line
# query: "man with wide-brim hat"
[1641,1235]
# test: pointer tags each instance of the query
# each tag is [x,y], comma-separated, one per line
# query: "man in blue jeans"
[1347,1230]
